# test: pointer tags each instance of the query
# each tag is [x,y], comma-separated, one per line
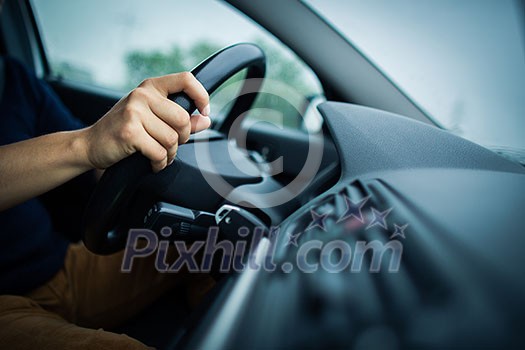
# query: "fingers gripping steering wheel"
[105,229]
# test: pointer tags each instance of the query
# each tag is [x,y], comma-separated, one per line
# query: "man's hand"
[144,121]
[147,122]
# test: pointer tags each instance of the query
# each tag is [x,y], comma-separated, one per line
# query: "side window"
[117,44]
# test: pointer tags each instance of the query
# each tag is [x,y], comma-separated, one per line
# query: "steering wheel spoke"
[106,219]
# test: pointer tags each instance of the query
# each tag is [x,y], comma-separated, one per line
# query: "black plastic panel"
[460,279]
[371,140]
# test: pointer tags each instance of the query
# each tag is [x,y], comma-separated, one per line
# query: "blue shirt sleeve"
[31,249]
[29,107]
[54,116]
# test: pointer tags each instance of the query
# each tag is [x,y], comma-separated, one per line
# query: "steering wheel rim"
[104,231]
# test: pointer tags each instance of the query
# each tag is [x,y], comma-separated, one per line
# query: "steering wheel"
[105,222]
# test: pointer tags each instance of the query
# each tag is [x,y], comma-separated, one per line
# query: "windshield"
[463,62]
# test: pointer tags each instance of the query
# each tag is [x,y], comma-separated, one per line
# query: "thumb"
[199,122]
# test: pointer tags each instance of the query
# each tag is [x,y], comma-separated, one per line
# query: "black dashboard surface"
[459,281]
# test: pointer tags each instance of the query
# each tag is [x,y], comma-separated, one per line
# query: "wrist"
[79,146]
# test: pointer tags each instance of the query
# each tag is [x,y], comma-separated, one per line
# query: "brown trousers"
[88,294]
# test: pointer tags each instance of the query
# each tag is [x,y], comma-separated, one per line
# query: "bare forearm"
[32,167]
[143,121]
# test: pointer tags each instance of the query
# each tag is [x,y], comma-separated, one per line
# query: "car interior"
[458,283]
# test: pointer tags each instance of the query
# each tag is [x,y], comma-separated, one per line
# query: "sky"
[461,61]
[101,32]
